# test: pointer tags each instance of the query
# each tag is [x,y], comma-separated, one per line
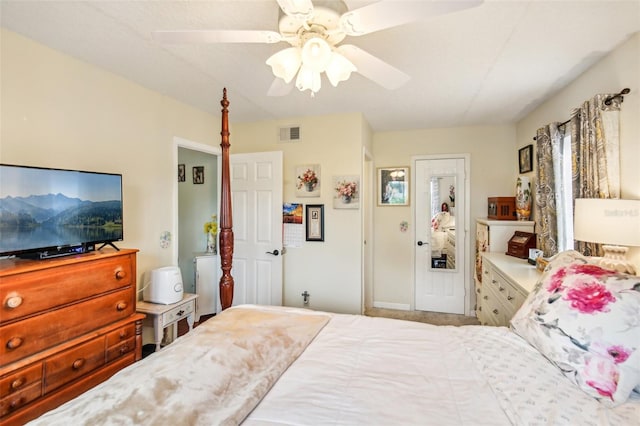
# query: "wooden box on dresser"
[66,324]
[506,283]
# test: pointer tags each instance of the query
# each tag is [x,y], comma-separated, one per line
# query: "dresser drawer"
[73,363]
[120,349]
[19,380]
[121,334]
[31,292]
[43,331]
[12,402]
[178,313]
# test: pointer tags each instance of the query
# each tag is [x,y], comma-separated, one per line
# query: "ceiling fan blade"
[373,68]
[216,36]
[388,13]
[279,87]
[298,9]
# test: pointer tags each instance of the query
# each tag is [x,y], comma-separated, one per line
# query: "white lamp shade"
[316,54]
[607,221]
[308,79]
[339,69]
[285,63]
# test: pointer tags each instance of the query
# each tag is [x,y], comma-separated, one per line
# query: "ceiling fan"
[314,33]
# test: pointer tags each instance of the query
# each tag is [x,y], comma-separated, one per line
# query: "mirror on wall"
[443,222]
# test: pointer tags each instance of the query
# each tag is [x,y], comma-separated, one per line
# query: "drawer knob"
[509,297]
[123,334]
[78,364]
[501,288]
[16,403]
[17,383]
[180,312]
[124,349]
[14,342]
[13,302]
[486,297]
[495,311]
[121,306]
[494,282]
[120,274]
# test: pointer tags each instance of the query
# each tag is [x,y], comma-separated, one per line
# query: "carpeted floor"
[434,318]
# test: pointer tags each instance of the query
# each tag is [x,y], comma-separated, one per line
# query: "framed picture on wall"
[315,222]
[393,186]
[525,159]
[198,174]
[181,173]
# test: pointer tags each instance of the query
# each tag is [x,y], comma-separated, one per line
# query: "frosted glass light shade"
[316,54]
[339,69]
[308,79]
[285,63]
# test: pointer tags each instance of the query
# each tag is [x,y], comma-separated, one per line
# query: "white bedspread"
[356,371]
[376,371]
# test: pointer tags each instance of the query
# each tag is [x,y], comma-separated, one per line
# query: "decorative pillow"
[586,320]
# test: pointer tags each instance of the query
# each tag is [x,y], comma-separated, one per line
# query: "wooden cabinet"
[66,325]
[506,282]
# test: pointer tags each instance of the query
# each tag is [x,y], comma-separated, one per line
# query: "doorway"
[441,212]
[195,201]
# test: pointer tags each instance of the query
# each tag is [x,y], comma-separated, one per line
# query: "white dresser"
[206,284]
[506,282]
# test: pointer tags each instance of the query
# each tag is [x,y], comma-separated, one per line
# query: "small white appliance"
[165,286]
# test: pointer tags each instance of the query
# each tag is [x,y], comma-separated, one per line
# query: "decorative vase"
[346,199]
[211,242]
[309,186]
[523,198]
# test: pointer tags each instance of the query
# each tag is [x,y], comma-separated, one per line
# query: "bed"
[570,358]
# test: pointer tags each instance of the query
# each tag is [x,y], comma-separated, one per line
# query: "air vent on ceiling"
[289,134]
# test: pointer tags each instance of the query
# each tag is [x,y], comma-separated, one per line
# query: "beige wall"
[618,70]
[330,271]
[61,112]
[493,173]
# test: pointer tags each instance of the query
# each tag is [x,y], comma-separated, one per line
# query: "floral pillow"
[586,320]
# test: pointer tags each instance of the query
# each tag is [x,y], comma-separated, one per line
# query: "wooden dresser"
[66,324]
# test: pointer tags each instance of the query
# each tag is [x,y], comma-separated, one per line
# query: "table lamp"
[614,223]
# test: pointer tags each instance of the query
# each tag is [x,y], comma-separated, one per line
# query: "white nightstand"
[163,316]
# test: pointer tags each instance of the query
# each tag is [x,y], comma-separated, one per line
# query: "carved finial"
[224,102]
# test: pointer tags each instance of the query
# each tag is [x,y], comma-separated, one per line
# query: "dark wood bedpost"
[226,217]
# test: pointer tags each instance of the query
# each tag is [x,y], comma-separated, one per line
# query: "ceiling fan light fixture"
[316,54]
[339,69]
[285,63]
[308,79]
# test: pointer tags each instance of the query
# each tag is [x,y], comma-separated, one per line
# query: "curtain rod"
[535,138]
[607,101]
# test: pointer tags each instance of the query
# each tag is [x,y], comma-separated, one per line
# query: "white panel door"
[256,193]
[439,288]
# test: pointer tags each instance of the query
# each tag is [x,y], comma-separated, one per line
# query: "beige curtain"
[595,152]
[548,172]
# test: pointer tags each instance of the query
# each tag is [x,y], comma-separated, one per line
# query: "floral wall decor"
[346,192]
[308,180]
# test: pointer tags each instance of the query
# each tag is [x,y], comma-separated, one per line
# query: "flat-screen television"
[48,212]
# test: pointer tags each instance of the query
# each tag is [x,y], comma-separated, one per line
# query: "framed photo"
[308,180]
[393,186]
[198,174]
[346,192]
[525,159]
[181,173]
[315,222]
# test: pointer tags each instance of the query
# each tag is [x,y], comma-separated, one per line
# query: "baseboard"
[387,305]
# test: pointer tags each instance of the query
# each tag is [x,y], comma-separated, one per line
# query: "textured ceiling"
[488,65]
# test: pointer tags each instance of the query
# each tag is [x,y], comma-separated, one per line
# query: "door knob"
[275,252]
[420,243]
